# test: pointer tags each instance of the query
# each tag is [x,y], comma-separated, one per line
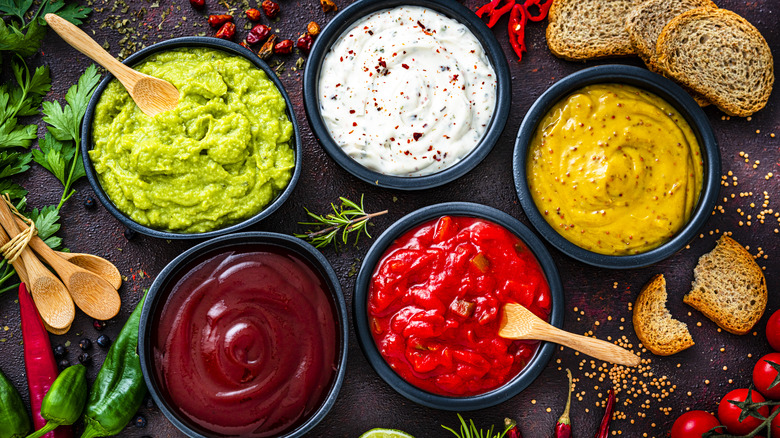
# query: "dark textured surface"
[365,401]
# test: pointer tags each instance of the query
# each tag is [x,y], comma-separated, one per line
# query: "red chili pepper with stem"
[495,11]
[38,361]
[511,429]
[516,30]
[544,8]
[604,427]
[563,427]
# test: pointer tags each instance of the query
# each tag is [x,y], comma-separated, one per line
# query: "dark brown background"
[365,401]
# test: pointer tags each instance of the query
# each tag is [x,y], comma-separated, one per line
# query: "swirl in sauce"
[247,342]
[407,91]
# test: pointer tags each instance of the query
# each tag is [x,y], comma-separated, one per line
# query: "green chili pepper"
[119,388]
[64,402]
[13,415]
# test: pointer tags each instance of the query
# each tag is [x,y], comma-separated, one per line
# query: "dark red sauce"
[247,343]
[435,299]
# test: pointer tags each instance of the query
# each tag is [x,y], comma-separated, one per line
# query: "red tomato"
[773,330]
[764,375]
[776,423]
[728,413]
[693,424]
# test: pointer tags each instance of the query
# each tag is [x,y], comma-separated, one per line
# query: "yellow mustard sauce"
[614,169]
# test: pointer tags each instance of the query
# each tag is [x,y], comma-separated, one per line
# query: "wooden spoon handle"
[86,45]
[593,347]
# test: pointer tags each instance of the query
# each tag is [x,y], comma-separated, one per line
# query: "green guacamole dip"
[220,157]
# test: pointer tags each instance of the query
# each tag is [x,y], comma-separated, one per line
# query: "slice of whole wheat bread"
[729,287]
[585,29]
[721,55]
[654,325]
[645,22]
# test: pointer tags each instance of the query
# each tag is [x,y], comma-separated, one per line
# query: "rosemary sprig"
[469,430]
[348,218]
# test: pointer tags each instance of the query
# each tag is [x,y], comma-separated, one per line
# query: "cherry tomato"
[728,413]
[773,330]
[775,423]
[764,375]
[693,424]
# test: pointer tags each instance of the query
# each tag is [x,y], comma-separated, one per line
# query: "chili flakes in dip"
[435,299]
[407,91]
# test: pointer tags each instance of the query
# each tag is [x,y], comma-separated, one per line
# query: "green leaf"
[60,120]
[14,163]
[16,8]
[13,135]
[69,11]
[78,95]
[53,155]
[23,43]
[66,122]
[46,224]
[15,191]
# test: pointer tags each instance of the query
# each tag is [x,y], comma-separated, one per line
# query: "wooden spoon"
[49,294]
[22,273]
[517,322]
[95,296]
[152,95]
[98,265]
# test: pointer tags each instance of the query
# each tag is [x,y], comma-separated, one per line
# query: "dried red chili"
[495,10]
[219,20]
[517,20]
[313,28]
[198,4]
[268,48]
[253,14]
[328,6]
[227,31]
[304,42]
[270,8]
[258,34]
[604,427]
[543,9]
[283,47]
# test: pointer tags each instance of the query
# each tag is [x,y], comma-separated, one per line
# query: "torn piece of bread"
[579,30]
[654,325]
[720,55]
[729,287]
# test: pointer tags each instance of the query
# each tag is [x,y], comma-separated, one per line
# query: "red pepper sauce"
[435,299]
[247,343]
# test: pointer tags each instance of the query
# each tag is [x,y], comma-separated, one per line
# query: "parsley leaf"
[13,163]
[46,224]
[54,156]
[25,44]
[69,11]
[21,100]
[16,8]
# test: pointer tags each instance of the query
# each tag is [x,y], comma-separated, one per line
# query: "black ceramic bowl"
[360,309]
[176,43]
[658,85]
[160,291]
[344,21]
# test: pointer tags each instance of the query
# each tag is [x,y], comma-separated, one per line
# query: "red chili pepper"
[304,42]
[283,47]
[543,9]
[219,20]
[513,431]
[270,8]
[198,4]
[563,427]
[516,30]
[258,34]
[494,11]
[253,14]
[604,428]
[227,31]
[38,361]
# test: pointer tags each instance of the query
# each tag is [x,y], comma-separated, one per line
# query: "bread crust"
[571,29]
[651,328]
[682,53]
[729,287]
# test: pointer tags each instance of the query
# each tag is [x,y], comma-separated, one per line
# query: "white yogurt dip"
[407,91]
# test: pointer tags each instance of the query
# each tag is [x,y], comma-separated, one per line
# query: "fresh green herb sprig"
[469,430]
[348,218]
[23,99]
[23,35]
[60,148]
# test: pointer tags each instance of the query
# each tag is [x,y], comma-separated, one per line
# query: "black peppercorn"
[103,341]
[129,234]
[139,421]
[85,344]
[64,363]
[60,351]
[89,202]
[85,358]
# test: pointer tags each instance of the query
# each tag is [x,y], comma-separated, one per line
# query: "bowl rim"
[658,85]
[362,8]
[514,386]
[190,42]
[307,252]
